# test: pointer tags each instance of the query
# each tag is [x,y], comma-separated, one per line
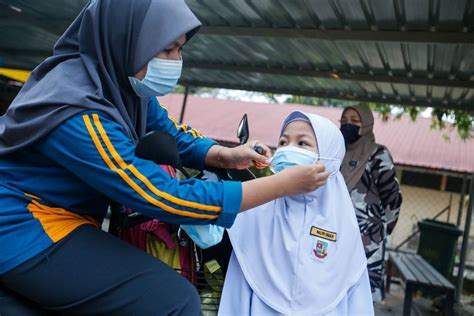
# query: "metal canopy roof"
[417,52]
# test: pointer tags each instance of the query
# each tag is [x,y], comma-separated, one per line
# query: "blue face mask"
[161,77]
[288,156]
[204,236]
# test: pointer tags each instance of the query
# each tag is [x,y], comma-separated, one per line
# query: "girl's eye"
[282,143]
[302,143]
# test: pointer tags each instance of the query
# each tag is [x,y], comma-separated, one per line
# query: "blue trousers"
[91,272]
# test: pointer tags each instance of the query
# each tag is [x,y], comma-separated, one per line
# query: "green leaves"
[441,119]
[462,121]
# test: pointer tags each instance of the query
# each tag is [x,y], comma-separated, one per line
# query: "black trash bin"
[438,244]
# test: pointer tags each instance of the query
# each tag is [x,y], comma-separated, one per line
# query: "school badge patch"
[321,249]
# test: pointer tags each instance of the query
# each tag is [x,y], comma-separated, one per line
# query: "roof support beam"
[330,95]
[343,35]
[26,53]
[438,82]
[335,75]
[11,17]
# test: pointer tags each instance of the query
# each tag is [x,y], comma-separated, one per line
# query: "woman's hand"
[302,179]
[291,181]
[240,157]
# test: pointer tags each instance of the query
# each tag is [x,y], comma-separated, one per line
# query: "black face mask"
[350,133]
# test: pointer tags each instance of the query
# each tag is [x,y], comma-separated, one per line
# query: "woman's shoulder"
[82,126]
[90,117]
[381,150]
[381,156]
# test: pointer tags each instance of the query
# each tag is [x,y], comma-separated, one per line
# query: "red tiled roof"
[411,143]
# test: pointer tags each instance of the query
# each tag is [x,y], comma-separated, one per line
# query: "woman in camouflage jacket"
[369,172]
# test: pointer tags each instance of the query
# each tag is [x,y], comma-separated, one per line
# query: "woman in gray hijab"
[369,172]
[67,149]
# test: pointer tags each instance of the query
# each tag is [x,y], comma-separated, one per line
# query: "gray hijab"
[109,41]
[359,153]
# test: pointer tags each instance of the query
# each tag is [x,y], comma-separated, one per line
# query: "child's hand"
[302,179]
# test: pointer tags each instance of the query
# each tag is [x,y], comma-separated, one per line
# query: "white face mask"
[161,77]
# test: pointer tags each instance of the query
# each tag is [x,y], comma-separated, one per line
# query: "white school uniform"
[301,255]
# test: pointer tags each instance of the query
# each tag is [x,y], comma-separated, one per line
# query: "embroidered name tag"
[322,233]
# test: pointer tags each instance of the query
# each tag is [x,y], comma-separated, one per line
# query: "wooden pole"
[185,101]
[465,242]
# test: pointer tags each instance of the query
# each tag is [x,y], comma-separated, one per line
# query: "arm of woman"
[192,145]
[197,151]
[291,181]
[388,187]
[98,151]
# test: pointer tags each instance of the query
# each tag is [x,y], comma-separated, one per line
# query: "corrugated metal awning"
[418,52]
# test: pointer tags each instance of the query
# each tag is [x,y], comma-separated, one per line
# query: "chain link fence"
[428,194]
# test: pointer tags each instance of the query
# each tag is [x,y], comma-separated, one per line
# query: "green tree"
[463,121]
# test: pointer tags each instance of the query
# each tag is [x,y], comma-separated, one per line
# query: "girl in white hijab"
[300,255]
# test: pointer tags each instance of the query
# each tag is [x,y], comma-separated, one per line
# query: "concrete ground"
[393,305]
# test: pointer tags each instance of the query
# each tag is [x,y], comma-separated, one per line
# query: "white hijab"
[279,245]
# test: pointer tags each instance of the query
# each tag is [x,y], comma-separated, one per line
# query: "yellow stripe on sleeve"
[195,133]
[34,197]
[118,159]
[130,182]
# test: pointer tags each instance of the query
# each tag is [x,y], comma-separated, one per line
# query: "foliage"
[228,94]
[319,101]
[442,119]
[462,121]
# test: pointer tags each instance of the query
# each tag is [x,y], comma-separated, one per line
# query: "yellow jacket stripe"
[131,183]
[184,127]
[118,159]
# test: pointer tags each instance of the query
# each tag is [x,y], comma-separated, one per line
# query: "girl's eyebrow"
[173,45]
[302,135]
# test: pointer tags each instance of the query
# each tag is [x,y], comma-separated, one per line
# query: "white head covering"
[301,254]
